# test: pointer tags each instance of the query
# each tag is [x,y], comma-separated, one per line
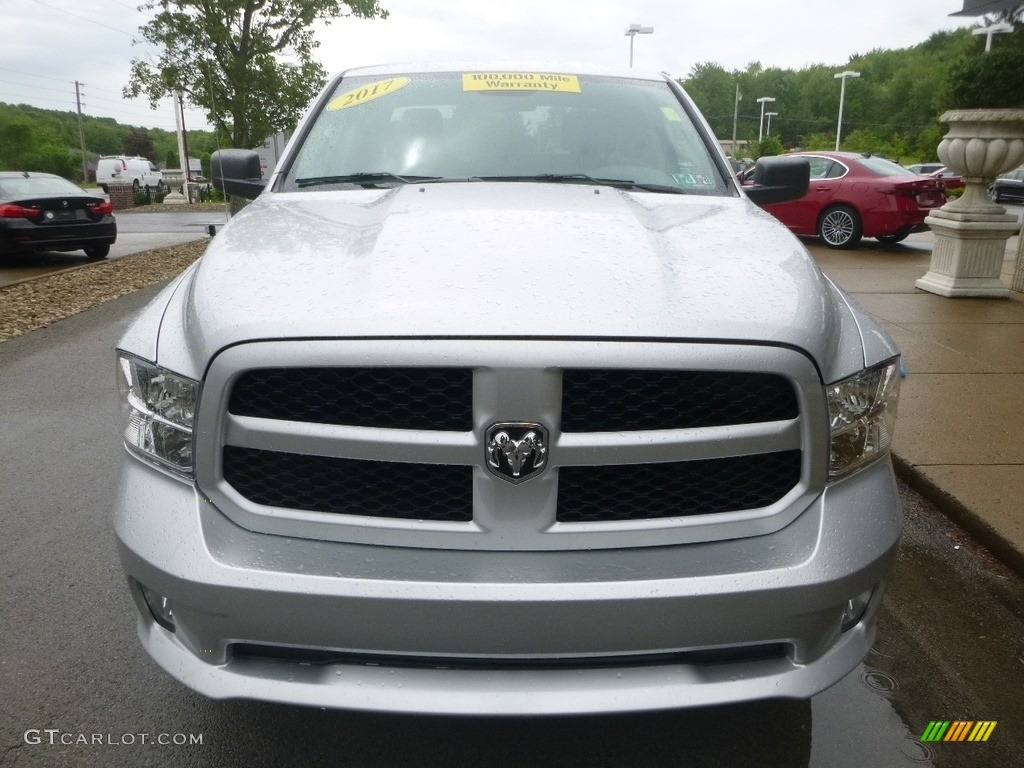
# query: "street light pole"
[762,101]
[842,96]
[770,115]
[632,32]
[990,31]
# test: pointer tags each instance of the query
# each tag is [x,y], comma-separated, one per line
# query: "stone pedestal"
[967,257]
[174,180]
[1018,273]
[971,232]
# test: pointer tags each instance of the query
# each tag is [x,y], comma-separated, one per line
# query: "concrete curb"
[972,522]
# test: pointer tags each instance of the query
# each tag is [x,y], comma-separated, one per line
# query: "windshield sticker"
[520,81]
[671,115]
[693,180]
[368,92]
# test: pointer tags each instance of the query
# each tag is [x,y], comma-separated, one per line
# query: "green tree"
[714,90]
[767,147]
[818,141]
[30,145]
[230,58]
[102,136]
[861,140]
[993,79]
[139,144]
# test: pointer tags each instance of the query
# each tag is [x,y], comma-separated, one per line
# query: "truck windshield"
[514,126]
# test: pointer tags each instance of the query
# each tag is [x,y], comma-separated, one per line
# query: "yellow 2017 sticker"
[671,115]
[520,81]
[368,92]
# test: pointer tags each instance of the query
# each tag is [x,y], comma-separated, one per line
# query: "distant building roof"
[981,7]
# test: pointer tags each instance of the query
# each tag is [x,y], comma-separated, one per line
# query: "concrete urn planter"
[971,232]
[175,180]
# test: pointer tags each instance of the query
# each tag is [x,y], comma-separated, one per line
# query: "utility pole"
[735,118]
[184,145]
[81,132]
[173,198]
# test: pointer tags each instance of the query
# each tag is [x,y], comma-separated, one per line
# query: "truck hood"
[490,259]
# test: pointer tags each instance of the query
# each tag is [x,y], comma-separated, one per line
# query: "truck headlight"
[862,415]
[161,408]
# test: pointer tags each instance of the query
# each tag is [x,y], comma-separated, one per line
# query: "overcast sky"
[46,45]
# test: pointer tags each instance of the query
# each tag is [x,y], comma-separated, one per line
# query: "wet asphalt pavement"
[950,644]
[135,232]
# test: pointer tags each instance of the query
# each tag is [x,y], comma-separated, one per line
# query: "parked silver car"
[503,397]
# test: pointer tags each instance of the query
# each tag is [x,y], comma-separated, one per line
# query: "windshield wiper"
[585,178]
[363,179]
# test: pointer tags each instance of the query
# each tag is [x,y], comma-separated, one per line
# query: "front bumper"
[485,632]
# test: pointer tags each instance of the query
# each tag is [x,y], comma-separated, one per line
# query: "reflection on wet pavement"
[950,646]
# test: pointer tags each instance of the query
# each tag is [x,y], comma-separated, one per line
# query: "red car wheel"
[840,227]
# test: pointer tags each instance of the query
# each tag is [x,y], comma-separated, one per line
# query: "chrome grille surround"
[512,380]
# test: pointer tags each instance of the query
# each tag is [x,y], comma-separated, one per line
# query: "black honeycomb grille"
[651,491]
[350,486]
[392,398]
[617,400]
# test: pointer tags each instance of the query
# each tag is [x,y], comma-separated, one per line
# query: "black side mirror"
[237,172]
[778,179]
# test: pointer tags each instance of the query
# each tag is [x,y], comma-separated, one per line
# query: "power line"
[54,79]
[83,18]
[107,90]
[70,83]
[29,74]
[108,101]
[16,103]
[124,5]
[60,90]
[35,87]
[135,118]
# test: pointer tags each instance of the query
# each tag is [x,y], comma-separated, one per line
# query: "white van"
[137,171]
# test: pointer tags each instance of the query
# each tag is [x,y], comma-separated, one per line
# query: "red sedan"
[853,196]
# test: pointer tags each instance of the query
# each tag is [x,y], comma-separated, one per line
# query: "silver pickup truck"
[503,397]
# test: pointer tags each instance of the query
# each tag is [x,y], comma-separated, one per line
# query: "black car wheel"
[840,227]
[97,252]
[135,185]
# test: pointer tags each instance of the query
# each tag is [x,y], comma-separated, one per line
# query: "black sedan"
[1008,187]
[43,212]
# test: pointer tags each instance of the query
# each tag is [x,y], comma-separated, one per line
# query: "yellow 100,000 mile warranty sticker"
[520,81]
[368,92]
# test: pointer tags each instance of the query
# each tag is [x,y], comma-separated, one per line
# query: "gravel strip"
[38,303]
[163,208]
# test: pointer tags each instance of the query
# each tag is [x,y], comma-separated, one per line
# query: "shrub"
[768,146]
[994,80]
